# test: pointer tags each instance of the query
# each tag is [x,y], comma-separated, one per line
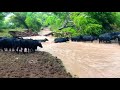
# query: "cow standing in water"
[89,38]
[105,37]
[59,40]
[76,38]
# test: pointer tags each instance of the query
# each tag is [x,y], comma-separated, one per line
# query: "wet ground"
[31,65]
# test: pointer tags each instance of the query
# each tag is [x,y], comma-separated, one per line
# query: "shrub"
[92,29]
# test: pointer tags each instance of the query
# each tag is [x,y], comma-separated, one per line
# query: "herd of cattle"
[17,44]
[20,44]
[106,37]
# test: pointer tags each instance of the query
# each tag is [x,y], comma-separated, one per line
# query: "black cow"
[1,45]
[30,45]
[6,43]
[25,43]
[59,40]
[9,43]
[17,44]
[114,35]
[89,38]
[34,45]
[105,37]
[1,37]
[76,38]
[118,39]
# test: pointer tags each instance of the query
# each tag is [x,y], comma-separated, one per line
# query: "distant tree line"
[63,23]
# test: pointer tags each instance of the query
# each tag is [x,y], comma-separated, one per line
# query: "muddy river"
[86,60]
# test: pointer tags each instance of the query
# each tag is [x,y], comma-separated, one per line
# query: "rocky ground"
[32,65]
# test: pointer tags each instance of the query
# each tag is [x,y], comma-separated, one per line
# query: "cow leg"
[23,50]
[27,50]
[15,49]
[109,41]
[3,49]
[30,50]
[18,49]
[99,41]
[33,50]
[8,49]
[11,49]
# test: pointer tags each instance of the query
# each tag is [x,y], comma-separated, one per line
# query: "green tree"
[104,18]
[2,15]
[19,19]
[33,21]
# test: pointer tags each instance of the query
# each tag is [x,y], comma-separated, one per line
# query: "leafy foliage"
[92,29]
[104,18]
[1,20]
[33,21]
[64,24]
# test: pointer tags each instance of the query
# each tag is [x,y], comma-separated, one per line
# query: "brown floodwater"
[87,60]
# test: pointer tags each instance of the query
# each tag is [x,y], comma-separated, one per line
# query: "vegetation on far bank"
[63,24]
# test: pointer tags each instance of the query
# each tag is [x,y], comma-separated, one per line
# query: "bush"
[66,32]
[70,32]
[92,29]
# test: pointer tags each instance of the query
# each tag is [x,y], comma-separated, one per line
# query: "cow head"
[46,39]
[40,45]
